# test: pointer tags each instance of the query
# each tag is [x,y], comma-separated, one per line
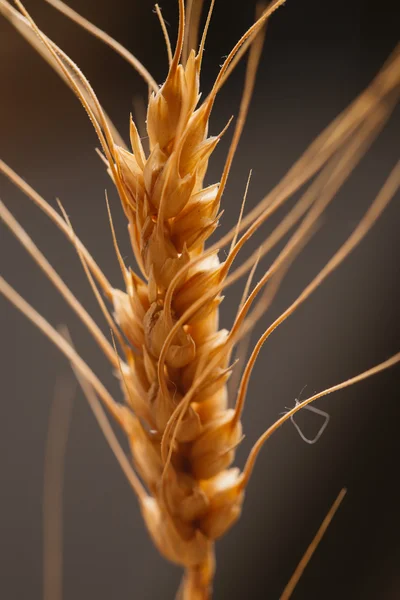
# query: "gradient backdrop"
[317,57]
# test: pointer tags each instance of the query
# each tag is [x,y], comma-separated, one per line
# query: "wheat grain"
[176,361]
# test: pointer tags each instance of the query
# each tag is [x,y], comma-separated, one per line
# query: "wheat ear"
[176,360]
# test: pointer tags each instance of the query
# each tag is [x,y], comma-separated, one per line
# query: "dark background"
[317,57]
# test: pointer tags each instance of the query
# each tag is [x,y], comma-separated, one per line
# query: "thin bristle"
[327,143]
[260,8]
[289,589]
[106,139]
[22,24]
[253,30]
[377,207]
[248,89]
[248,469]
[181,36]
[318,196]
[165,34]
[107,39]
[90,394]
[234,239]
[53,484]
[121,263]
[59,222]
[56,280]
[188,20]
[205,31]
[92,284]
[61,344]
[243,338]
[193,24]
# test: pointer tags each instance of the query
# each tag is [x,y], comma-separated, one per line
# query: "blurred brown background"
[317,57]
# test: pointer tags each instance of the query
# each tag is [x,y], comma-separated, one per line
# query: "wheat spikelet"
[176,361]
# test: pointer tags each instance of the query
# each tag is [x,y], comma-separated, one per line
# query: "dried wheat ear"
[175,361]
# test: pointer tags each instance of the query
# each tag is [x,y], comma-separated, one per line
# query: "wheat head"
[172,359]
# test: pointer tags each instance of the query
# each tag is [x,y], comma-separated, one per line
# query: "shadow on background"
[317,57]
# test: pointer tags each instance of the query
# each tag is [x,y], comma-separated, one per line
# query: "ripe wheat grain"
[173,360]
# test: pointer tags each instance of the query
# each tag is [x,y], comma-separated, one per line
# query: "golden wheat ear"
[176,360]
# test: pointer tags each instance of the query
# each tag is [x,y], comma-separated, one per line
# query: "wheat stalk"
[172,359]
